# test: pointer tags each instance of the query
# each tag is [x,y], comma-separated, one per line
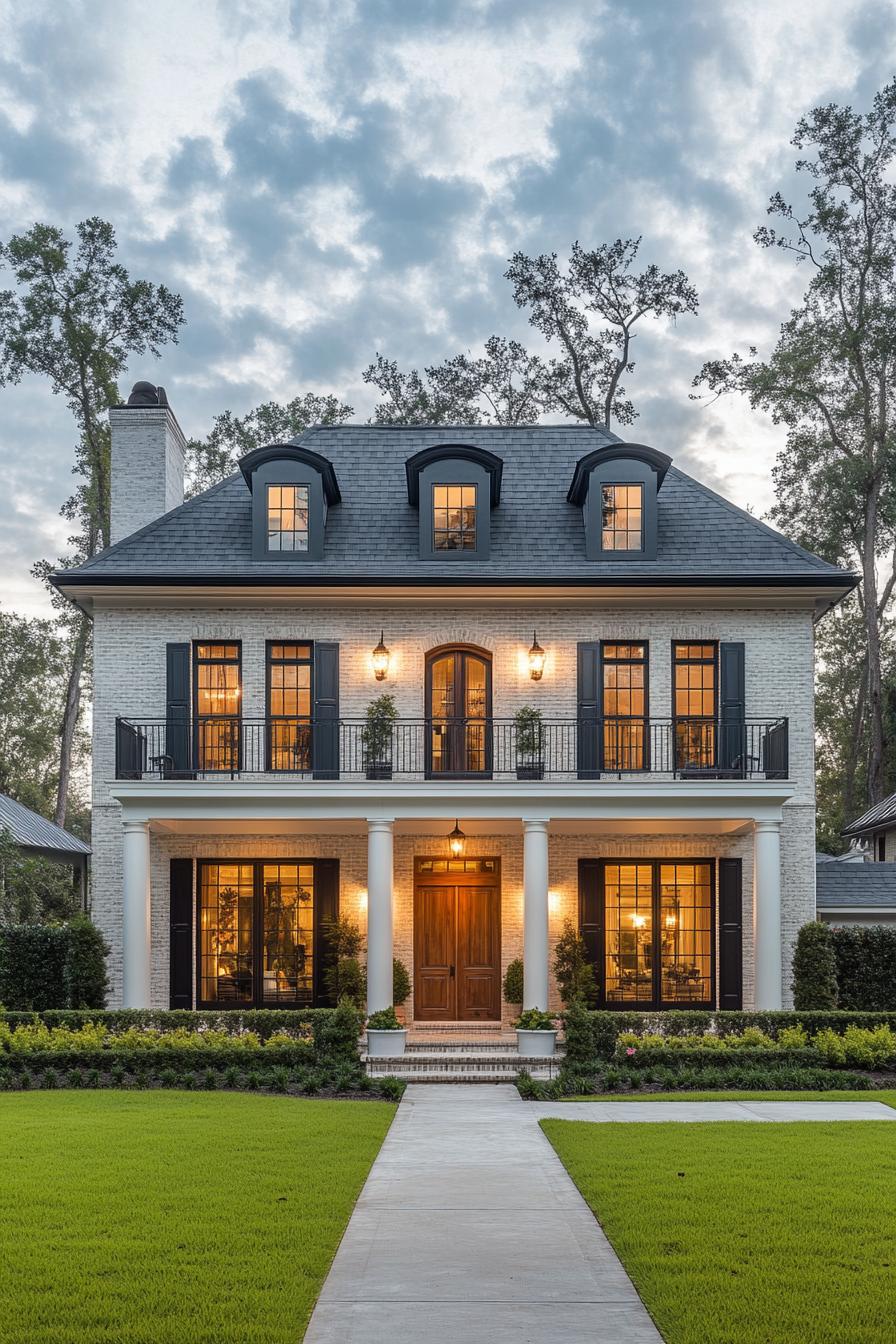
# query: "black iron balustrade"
[471,749]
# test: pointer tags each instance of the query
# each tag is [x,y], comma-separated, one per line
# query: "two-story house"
[602,677]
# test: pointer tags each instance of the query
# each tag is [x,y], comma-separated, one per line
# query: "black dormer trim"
[453,452]
[292,452]
[612,452]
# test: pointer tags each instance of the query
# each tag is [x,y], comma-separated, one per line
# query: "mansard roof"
[537,535]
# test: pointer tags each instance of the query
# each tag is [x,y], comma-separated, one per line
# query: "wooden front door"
[457,941]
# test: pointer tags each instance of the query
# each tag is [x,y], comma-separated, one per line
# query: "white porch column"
[535,913]
[135,915]
[767,945]
[379,915]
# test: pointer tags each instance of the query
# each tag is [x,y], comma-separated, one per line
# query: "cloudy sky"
[322,180]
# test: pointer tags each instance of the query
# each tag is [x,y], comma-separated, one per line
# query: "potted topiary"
[529,743]
[376,737]
[385,1035]
[513,983]
[535,1033]
[401,986]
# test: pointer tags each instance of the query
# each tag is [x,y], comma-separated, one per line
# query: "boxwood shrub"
[866,967]
[45,967]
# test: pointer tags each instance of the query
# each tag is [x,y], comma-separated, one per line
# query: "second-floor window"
[622,518]
[454,517]
[694,704]
[287,513]
[289,706]
[216,696]
[624,705]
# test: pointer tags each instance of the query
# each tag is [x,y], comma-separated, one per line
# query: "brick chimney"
[148,450]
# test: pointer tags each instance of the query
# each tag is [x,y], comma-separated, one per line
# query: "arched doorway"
[458,712]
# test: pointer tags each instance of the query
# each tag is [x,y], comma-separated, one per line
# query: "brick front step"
[461,1066]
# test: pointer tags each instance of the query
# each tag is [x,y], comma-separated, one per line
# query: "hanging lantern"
[536,659]
[381,660]
[457,842]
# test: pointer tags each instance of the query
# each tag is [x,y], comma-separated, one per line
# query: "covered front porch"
[678,898]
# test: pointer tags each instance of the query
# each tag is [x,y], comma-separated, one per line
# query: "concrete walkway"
[469,1229]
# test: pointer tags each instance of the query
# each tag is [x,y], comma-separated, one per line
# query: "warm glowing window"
[624,706]
[217,705]
[454,517]
[685,932]
[226,928]
[658,933]
[287,932]
[628,932]
[287,528]
[622,518]
[289,706]
[694,671]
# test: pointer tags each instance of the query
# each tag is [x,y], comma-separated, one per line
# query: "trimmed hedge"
[866,967]
[592,1034]
[814,968]
[53,966]
[619,1078]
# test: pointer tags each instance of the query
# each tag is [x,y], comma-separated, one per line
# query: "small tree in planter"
[401,983]
[513,983]
[385,1035]
[536,1033]
[376,737]
[529,743]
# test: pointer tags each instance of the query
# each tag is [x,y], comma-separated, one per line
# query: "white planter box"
[530,1043]
[383,1043]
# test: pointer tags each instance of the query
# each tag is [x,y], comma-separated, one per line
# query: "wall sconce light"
[381,660]
[362,901]
[457,842]
[536,659]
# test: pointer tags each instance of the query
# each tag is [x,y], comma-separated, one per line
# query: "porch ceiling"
[435,826]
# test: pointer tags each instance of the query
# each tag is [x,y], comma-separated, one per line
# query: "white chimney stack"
[148,450]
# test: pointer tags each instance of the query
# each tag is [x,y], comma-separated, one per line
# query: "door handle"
[451,971]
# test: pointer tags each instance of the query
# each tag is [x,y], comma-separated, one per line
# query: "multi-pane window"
[256,933]
[287,512]
[694,705]
[657,933]
[289,706]
[459,699]
[622,518]
[624,703]
[454,517]
[217,704]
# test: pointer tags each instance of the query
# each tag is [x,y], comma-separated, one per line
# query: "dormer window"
[292,489]
[454,517]
[454,486]
[622,518]
[287,517]
[616,487]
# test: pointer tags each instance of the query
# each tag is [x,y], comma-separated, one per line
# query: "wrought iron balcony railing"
[451,749]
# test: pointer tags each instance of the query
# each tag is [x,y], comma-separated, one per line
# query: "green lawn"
[886,1095]
[173,1217]
[747,1234]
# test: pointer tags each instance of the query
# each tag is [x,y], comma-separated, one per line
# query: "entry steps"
[461,1053]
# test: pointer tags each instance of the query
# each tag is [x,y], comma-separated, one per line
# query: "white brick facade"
[130,681]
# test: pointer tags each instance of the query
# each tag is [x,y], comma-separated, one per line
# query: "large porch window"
[650,926]
[257,923]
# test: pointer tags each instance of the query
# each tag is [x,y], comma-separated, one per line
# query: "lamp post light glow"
[457,842]
[536,659]
[381,660]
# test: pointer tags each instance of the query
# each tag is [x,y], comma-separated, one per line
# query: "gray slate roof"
[32,831]
[535,533]
[880,817]
[855,884]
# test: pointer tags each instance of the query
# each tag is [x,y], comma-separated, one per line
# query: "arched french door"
[458,712]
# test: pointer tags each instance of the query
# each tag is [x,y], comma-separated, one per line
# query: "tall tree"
[503,386]
[215,457]
[585,380]
[32,684]
[831,378]
[76,318]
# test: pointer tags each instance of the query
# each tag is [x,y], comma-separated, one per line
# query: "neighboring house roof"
[841,886]
[851,856]
[31,831]
[537,536]
[880,817]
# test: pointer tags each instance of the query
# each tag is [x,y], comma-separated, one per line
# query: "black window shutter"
[177,710]
[730,933]
[325,737]
[591,916]
[732,710]
[181,917]
[326,912]
[588,710]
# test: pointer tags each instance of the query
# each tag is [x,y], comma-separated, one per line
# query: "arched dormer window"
[616,487]
[292,488]
[454,486]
